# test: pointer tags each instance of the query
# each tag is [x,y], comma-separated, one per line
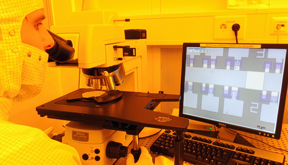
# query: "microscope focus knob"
[116,150]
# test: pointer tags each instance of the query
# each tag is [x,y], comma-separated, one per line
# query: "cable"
[278,35]
[79,78]
[258,140]
[279,27]
[235,28]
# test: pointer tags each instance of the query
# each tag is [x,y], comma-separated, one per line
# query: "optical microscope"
[101,116]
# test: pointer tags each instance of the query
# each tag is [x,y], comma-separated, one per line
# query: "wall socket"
[223,27]
[279,25]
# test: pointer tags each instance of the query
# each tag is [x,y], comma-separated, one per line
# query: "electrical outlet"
[279,25]
[223,27]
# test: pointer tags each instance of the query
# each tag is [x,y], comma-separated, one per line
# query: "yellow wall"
[130,7]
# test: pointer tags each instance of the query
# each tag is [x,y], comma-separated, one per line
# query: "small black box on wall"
[135,34]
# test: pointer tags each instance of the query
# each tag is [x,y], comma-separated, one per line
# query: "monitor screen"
[240,86]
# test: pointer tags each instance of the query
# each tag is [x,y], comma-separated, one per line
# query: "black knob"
[97,158]
[85,156]
[97,151]
[136,154]
[116,150]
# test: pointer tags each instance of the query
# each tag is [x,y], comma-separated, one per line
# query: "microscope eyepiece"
[62,50]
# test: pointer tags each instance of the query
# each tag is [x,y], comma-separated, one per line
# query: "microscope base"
[90,141]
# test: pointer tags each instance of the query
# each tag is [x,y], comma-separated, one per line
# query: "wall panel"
[186,6]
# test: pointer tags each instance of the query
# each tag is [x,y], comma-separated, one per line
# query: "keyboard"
[205,150]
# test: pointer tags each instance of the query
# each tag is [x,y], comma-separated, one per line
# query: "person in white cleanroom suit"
[23,41]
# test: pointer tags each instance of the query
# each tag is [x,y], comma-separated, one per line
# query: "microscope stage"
[128,112]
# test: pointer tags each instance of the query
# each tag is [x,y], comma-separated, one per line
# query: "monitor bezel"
[227,125]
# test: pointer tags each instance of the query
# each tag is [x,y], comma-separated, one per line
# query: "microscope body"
[99,44]
[102,44]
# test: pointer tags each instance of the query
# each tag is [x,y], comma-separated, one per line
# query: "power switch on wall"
[279,25]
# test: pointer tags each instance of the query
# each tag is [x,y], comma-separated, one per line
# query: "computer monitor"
[238,86]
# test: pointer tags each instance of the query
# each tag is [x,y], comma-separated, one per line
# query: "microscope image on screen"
[239,86]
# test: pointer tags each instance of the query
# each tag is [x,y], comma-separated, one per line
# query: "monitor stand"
[202,128]
[222,133]
[230,136]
